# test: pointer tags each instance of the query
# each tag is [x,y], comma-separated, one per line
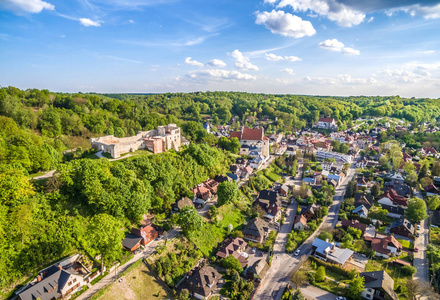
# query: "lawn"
[406,244]
[139,283]
[212,234]
[434,234]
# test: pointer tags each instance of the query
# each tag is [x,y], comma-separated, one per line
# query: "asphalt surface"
[283,264]
[420,258]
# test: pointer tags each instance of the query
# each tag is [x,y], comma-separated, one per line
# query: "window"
[74,279]
[70,282]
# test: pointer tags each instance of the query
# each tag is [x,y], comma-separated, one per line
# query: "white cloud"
[428,52]
[292,58]
[337,46]
[289,71]
[332,45]
[87,22]
[350,51]
[218,74]
[413,72]
[370,20]
[427,12]
[30,6]
[270,1]
[285,24]
[274,57]
[191,62]
[216,63]
[334,11]
[242,62]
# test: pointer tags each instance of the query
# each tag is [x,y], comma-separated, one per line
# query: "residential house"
[406,157]
[435,218]
[309,180]
[246,172]
[336,178]
[378,286]
[137,237]
[55,282]
[283,190]
[327,123]
[201,283]
[220,178]
[234,247]
[427,151]
[431,190]
[185,201]
[385,246]
[391,198]
[270,203]
[256,230]
[300,223]
[233,177]
[326,154]
[212,185]
[309,212]
[201,194]
[361,211]
[131,242]
[234,169]
[402,227]
[330,253]
[258,270]
[354,224]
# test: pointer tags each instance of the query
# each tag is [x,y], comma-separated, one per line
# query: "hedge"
[331,267]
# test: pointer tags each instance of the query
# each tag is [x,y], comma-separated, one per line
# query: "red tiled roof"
[327,120]
[255,134]
[354,224]
[301,219]
[393,196]
[236,134]
[380,244]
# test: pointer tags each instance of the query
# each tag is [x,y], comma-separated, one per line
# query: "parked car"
[416,249]
[418,234]
[418,227]
[340,298]
[297,252]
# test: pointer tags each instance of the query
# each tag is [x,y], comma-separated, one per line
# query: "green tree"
[320,274]
[344,148]
[232,263]
[433,202]
[416,211]
[105,237]
[435,171]
[375,190]
[324,235]
[356,287]
[189,219]
[227,192]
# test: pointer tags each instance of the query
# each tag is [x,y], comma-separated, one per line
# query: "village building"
[328,252]
[403,227]
[270,203]
[256,230]
[327,123]
[234,247]
[157,140]
[201,283]
[378,286]
[252,139]
[300,223]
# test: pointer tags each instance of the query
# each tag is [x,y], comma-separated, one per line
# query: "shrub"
[320,274]
[408,270]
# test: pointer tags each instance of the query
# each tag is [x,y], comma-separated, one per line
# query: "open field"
[138,284]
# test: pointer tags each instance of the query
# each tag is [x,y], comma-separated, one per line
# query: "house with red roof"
[385,246]
[252,140]
[391,198]
[427,151]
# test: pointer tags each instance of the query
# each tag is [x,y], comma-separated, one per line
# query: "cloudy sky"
[315,47]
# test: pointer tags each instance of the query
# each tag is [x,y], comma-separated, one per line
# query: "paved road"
[284,265]
[420,260]
[313,293]
[110,278]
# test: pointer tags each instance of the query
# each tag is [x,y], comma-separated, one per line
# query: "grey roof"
[256,227]
[202,281]
[403,222]
[394,209]
[48,288]
[435,218]
[340,255]
[131,240]
[380,280]
[322,246]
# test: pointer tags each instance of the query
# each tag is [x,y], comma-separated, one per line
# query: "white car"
[418,227]
[340,298]
[297,252]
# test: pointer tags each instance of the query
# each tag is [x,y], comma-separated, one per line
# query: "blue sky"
[316,47]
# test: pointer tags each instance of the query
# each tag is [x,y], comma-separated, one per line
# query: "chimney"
[38,278]
[60,267]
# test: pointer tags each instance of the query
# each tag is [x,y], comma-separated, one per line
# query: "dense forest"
[41,221]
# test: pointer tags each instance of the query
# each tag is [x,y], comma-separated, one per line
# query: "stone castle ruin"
[157,140]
